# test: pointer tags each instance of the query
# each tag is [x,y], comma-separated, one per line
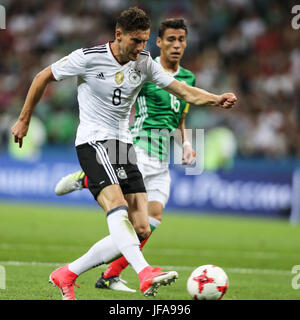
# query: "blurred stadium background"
[248,47]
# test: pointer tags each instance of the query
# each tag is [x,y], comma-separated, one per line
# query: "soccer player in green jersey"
[156,110]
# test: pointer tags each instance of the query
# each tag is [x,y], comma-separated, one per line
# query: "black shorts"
[110,162]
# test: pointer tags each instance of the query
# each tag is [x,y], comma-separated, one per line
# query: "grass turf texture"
[257,254]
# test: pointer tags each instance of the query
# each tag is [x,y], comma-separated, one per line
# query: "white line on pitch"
[179,268]
[169,251]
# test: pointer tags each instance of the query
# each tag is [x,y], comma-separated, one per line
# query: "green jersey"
[158,114]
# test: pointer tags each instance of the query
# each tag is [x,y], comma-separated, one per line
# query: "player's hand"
[189,155]
[227,100]
[19,130]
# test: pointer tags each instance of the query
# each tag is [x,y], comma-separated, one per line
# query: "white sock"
[104,251]
[125,238]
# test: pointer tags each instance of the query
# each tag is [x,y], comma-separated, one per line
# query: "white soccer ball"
[207,282]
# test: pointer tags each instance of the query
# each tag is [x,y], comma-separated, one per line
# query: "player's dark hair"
[172,23]
[133,19]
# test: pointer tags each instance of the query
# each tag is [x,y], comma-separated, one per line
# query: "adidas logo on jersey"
[100,76]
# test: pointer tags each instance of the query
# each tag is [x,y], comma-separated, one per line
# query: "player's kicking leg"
[110,279]
[106,249]
[78,181]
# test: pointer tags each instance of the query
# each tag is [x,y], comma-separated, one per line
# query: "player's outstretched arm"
[200,97]
[36,90]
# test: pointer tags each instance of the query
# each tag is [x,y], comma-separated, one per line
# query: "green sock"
[154,223]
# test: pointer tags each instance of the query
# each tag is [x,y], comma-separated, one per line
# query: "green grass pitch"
[257,254]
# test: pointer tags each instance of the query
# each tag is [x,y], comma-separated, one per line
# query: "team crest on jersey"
[119,78]
[134,77]
[121,173]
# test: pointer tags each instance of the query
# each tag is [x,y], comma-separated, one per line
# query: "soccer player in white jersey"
[155,109]
[109,80]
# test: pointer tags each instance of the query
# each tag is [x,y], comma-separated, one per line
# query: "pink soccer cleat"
[152,278]
[64,280]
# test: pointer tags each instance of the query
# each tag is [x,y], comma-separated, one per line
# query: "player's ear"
[158,42]
[118,34]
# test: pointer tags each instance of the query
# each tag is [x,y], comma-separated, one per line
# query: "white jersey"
[107,90]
